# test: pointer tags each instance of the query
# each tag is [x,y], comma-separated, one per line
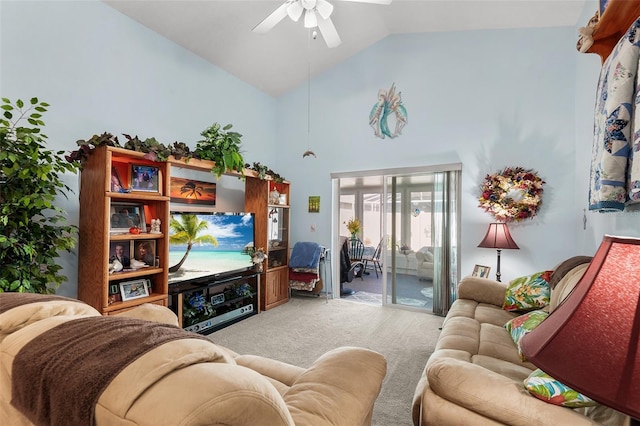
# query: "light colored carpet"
[305,328]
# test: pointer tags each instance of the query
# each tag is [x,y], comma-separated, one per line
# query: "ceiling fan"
[317,13]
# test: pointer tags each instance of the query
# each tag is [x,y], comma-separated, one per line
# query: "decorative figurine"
[155,226]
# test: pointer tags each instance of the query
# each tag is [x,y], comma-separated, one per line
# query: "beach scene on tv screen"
[206,244]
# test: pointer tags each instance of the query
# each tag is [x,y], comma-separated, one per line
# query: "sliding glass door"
[417,226]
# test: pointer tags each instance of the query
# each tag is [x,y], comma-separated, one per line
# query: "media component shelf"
[207,304]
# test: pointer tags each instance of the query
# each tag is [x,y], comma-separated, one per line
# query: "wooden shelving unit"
[272,234]
[95,283]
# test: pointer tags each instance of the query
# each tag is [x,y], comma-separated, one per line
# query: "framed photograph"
[130,290]
[481,271]
[145,251]
[125,216]
[145,178]
[120,251]
[116,183]
[191,191]
[314,204]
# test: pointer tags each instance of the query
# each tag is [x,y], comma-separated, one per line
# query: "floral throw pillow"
[520,326]
[548,389]
[528,292]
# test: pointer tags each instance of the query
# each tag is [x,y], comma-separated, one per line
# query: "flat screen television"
[209,244]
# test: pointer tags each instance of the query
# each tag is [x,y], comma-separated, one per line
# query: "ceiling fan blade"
[324,8]
[295,11]
[372,1]
[310,19]
[329,33]
[272,20]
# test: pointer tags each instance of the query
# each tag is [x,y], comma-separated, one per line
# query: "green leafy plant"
[155,150]
[223,147]
[264,171]
[33,229]
[219,145]
[81,154]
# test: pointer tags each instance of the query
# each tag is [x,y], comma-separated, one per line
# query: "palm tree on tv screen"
[186,231]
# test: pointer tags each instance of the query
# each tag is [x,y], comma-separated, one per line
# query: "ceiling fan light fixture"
[324,8]
[295,11]
[310,19]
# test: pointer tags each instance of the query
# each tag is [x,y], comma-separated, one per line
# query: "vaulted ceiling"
[219,31]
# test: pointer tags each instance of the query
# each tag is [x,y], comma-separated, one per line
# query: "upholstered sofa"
[424,263]
[188,380]
[411,262]
[475,375]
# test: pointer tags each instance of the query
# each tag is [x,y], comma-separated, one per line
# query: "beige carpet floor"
[305,328]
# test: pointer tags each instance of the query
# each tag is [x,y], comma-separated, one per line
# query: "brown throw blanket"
[59,376]
[11,300]
[567,266]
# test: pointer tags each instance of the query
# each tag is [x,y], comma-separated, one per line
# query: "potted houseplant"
[33,228]
[223,147]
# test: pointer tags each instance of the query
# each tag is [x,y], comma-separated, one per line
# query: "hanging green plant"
[34,230]
[222,147]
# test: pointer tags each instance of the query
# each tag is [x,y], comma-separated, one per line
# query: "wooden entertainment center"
[109,192]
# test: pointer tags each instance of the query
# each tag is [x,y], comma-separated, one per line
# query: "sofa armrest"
[482,290]
[340,388]
[495,396]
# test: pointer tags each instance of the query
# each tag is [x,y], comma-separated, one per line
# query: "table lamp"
[498,237]
[591,341]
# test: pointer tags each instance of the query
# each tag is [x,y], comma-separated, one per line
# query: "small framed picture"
[191,191]
[145,178]
[130,290]
[145,251]
[481,271]
[125,216]
[314,204]
[120,251]
[116,183]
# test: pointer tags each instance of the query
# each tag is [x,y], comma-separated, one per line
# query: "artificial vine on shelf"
[219,145]
[264,171]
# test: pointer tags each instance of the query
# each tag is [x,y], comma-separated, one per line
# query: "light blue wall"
[101,71]
[488,99]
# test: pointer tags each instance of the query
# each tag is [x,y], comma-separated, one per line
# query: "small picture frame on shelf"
[481,271]
[145,251]
[145,178]
[136,289]
[120,251]
[124,216]
[116,182]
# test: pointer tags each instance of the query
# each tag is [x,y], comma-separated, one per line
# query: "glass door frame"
[384,174]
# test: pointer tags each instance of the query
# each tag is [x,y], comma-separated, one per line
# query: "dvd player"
[214,321]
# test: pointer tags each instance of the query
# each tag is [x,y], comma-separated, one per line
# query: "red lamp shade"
[498,237]
[591,341]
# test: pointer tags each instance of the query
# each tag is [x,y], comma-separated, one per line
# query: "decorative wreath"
[512,195]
